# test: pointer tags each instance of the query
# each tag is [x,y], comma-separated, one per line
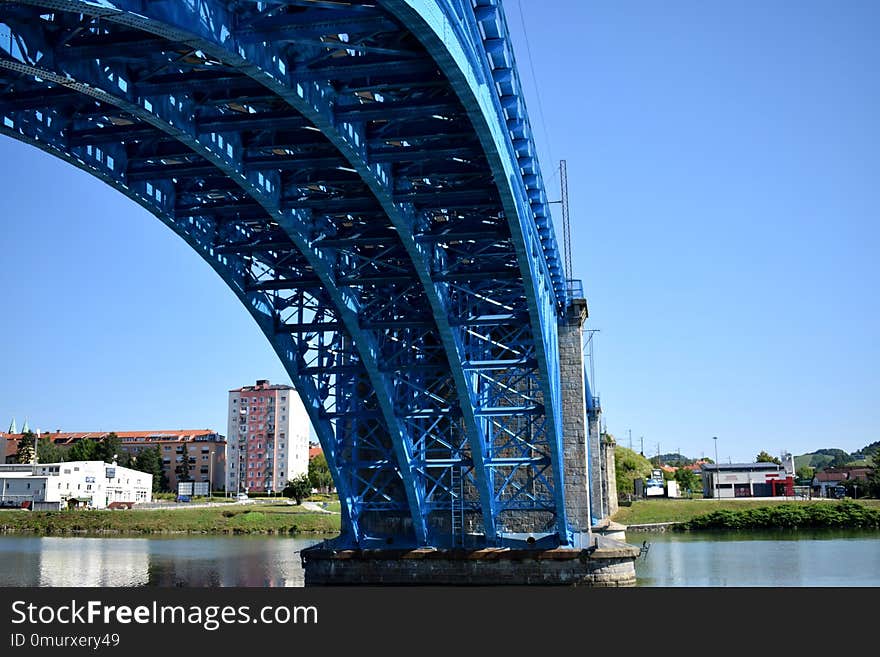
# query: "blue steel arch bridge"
[362,174]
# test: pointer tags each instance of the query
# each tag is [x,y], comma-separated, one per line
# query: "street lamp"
[715,479]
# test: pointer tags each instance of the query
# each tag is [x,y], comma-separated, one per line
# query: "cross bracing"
[362,175]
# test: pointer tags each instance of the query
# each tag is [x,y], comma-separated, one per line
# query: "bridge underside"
[331,162]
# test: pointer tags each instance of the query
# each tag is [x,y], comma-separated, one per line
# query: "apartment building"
[203,449]
[268,437]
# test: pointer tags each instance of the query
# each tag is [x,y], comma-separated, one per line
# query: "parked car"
[242,497]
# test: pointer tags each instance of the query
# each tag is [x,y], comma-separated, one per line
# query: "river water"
[781,558]
[792,559]
[258,561]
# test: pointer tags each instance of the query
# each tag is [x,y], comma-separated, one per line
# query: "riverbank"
[263,518]
[281,518]
[748,514]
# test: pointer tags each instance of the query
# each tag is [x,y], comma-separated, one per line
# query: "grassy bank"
[651,511]
[267,518]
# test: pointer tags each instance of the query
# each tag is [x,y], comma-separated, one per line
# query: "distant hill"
[867,452]
[674,458]
[833,457]
[823,458]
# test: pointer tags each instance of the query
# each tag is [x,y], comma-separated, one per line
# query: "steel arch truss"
[323,159]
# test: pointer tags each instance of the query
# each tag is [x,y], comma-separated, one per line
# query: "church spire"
[24,427]
[12,428]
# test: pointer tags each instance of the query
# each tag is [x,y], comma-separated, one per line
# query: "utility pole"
[630,432]
[642,445]
[566,225]
[715,478]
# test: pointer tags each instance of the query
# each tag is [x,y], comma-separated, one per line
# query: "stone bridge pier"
[590,480]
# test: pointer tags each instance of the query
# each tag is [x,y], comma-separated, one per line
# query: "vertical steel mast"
[566,224]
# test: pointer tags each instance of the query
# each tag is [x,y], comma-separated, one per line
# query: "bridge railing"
[575,288]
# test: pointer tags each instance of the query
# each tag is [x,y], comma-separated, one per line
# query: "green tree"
[869,451]
[26,448]
[108,447]
[805,472]
[764,457]
[298,488]
[856,488]
[319,473]
[49,452]
[874,478]
[629,466]
[687,479]
[184,467]
[84,449]
[150,461]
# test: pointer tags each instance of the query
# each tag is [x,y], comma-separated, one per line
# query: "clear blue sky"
[723,174]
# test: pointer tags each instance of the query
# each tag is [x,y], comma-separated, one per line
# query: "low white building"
[94,484]
[736,480]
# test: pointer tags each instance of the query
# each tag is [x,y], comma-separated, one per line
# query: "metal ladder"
[456,490]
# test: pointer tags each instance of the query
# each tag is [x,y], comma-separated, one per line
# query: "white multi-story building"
[267,439]
[81,483]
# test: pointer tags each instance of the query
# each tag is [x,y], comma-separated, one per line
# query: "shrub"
[790,516]
[298,488]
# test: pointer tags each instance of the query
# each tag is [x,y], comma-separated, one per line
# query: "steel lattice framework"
[362,174]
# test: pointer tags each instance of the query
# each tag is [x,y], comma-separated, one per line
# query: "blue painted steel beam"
[260,195]
[488,510]
[341,73]
[457,46]
[422,298]
[31,131]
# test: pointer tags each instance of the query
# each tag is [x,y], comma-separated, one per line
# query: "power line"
[534,80]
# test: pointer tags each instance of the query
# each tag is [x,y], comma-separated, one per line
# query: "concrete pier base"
[609,563]
[610,529]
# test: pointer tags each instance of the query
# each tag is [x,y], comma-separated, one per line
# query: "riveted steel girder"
[468,39]
[334,156]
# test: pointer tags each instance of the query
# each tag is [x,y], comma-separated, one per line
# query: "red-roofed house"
[205,450]
[826,480]
[314,450]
